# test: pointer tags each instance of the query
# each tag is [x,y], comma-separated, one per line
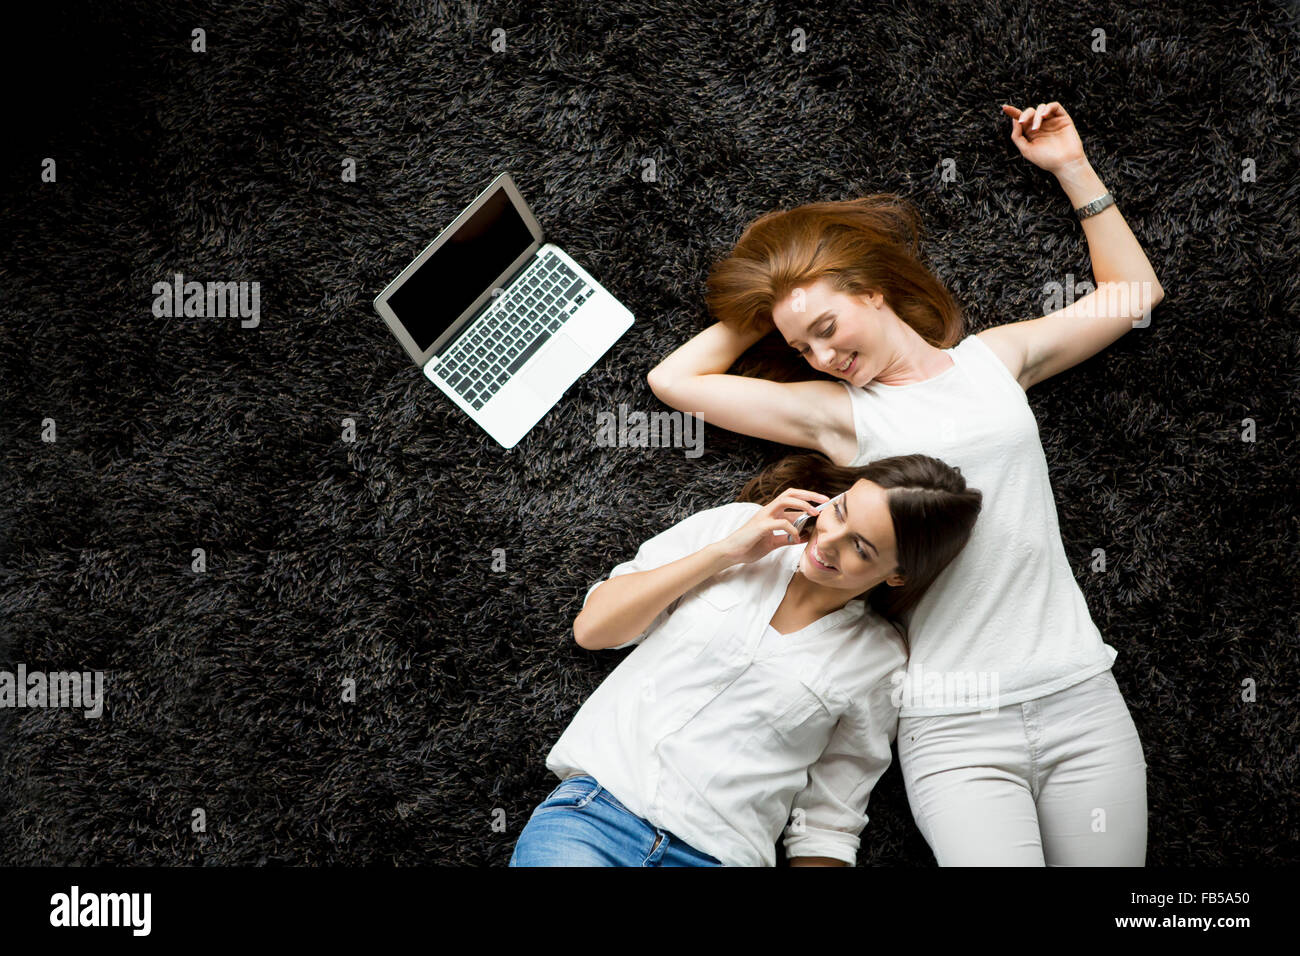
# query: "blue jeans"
[582,824]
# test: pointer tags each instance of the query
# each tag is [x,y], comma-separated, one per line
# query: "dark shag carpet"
[372,560]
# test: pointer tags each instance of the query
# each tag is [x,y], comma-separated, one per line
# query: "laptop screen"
[461,269]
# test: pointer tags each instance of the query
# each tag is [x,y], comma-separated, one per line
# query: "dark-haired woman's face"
[835,332]
[852,544]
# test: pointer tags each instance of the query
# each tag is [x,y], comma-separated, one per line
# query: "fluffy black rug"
[371,560]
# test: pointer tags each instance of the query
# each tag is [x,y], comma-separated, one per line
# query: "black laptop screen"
[471,259]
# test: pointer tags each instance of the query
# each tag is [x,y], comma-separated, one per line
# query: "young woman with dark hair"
[763,684]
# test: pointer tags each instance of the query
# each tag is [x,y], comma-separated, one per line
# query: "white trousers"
[1057,781]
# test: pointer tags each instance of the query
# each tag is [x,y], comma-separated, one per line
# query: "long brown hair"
[868,244]
[932,509]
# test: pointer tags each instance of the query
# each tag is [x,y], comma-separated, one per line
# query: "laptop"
[500,320]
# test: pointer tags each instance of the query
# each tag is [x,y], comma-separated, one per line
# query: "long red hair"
[869,244]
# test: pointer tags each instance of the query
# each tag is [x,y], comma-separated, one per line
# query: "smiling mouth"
[815,555]
[849,364]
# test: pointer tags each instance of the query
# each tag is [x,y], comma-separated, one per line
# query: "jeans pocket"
[572,794]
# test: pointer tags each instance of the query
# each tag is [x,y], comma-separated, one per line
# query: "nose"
[829,538]
[824,354]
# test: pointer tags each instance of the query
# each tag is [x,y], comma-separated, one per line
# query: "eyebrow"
[844,500]
[814,322]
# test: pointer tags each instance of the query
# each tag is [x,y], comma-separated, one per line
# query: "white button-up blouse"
[718,736]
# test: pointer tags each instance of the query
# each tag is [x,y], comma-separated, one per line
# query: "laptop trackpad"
[557,368]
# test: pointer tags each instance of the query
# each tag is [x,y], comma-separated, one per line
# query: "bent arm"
[1117,256]
[1127,289]
[623,607]
[815,414]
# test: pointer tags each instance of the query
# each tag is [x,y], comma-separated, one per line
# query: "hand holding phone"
[801,522]
[757,537]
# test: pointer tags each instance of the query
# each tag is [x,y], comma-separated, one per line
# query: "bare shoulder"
[830,418]
[1007,342]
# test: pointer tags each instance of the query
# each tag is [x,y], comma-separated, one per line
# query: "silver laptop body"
[500,320]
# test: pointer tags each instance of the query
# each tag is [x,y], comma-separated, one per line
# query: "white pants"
[1060,781]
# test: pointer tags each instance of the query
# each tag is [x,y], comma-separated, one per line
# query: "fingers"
[1032,118]
[1017,136]
[796,500]
[782,524]
[1033,114]
[1059,111]
[805,495]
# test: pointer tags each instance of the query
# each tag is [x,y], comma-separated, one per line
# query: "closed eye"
[824,334]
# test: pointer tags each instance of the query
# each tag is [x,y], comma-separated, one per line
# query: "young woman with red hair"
[1015,744]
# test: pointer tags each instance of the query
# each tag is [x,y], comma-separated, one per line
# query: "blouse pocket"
[803,716]
[719,595]
[704,614]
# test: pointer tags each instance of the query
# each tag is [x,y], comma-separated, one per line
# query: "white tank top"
[1006,621]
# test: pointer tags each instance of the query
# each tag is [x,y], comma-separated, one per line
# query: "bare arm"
[1127,289]
[624,606]
[814,414]
[621,608]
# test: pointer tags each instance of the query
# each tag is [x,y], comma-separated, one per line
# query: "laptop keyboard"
[526,316]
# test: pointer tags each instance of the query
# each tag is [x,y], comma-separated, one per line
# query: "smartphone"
[801,522]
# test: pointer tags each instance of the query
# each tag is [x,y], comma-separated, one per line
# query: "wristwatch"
[1096,206]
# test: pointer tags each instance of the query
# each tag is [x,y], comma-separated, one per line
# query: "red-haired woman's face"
[837,333]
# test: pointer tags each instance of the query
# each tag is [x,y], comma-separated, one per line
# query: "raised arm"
[622,609]
[1126,285]
[814,414]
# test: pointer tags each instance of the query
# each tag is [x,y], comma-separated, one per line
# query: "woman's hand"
[1045,135]
[754,539]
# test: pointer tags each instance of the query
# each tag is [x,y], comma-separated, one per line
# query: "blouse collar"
[853,609]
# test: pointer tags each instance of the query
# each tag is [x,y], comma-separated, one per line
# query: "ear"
[874,299]
[896,580]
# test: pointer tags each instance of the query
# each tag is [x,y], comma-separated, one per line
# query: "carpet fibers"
[439,574]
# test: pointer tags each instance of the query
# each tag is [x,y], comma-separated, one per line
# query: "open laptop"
[502,322]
